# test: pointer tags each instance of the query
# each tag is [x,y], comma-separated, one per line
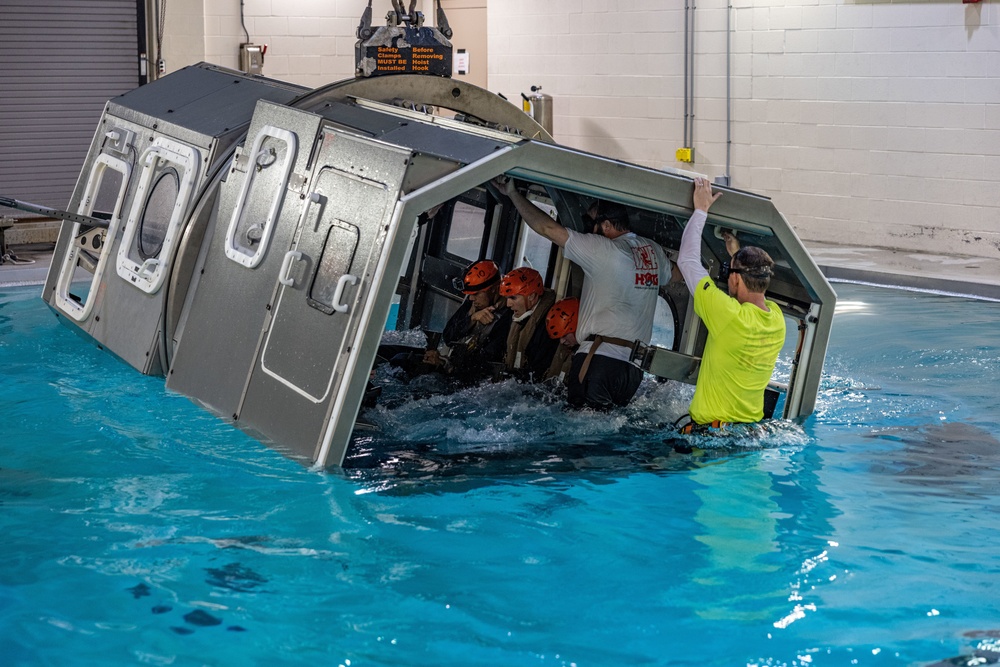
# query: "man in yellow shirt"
[745,330]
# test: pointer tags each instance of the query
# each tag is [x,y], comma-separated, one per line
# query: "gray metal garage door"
[60,61]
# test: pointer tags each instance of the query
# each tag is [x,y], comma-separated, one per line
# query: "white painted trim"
[291,141]
[67,305]
[186,159]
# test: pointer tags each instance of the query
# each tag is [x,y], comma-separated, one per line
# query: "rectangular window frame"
[81,310]
[322,279]
[290,139]
[529,236]
[150,274]
[482,201]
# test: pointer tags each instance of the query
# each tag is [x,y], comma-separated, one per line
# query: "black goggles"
[460,285]
[758,272]
[725,270]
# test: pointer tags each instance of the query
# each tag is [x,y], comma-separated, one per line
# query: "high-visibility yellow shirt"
[743,344]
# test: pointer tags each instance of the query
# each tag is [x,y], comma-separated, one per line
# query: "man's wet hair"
[757,267]
[614,213]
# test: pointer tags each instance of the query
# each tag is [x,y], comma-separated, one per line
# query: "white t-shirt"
[619,295]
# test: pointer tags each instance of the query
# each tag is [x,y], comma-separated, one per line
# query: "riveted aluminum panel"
[124,319]
[89,252]
[419,132]
[119,317]
[304,363]
[185,113]
[206,99]
[128,320]
[230,303]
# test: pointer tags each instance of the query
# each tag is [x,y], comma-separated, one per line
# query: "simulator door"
[322,295]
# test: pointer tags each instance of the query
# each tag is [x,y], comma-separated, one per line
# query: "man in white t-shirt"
[623,272]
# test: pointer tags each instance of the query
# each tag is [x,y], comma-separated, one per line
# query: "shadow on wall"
[973,11]
[973,17]
[598,140]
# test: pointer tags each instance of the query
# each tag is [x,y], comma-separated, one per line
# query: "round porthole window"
[156,214]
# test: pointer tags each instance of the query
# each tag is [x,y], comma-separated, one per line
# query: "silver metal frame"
[229,330]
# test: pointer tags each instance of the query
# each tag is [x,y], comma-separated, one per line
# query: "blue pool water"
[488,528]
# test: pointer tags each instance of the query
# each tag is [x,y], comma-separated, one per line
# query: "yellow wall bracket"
[684,155]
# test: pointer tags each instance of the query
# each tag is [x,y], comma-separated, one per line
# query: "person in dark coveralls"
[476,335]
[529,348]
[474,338]
[560,324]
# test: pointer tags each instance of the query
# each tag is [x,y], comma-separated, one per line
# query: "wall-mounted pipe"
[689,8]
[687,36]
[726,178]
[690,140]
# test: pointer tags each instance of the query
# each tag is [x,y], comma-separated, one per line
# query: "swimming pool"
[138,529]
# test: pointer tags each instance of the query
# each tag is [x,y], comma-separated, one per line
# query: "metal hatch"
[305,302]
[319,281]
[249,233]
[309,357]
[153,152]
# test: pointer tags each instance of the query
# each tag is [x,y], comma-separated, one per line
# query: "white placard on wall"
[462,62]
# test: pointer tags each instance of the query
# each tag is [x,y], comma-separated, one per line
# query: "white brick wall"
[875,123]
[867,123]
[310,42]
[183,35]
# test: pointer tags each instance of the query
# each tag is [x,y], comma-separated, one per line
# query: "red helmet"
[522,281]
[561,319]
[480,275]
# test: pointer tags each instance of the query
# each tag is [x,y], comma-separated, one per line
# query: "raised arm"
[537,219]
[689,257]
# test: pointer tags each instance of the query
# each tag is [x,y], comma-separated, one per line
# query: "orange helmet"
[480,275]
[561,319]
[522,281]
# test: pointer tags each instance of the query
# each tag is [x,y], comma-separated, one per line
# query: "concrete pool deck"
[963,275]
[977,277]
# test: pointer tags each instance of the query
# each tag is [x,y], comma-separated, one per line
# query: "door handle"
[339,294]
[286,266]
[149,266]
